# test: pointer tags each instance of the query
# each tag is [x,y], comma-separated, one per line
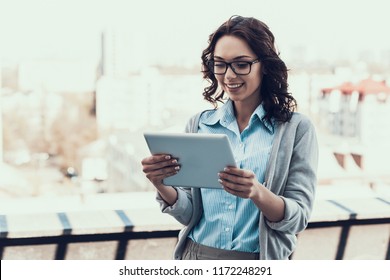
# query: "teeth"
[234,85]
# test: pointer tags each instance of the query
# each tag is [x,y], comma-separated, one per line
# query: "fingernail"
[177,167]
[167,157]
[174,161]
[226,169]
[220,181]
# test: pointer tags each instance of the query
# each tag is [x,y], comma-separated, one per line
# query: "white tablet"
[201,156]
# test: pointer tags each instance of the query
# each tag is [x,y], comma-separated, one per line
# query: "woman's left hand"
[244,184]
[240,182]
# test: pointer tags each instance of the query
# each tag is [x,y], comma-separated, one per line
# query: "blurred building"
[113,62]
[358,115]
[124,152]
[359,110]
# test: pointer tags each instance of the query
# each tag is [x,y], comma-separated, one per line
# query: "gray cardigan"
[291,174]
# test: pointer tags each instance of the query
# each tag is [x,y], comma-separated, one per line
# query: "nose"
[230,73]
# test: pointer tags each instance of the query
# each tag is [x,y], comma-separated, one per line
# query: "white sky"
[174,31]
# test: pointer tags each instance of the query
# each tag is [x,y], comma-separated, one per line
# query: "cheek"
[255,81]
[219,80]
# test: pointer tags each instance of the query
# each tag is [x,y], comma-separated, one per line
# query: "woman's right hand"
[159,167]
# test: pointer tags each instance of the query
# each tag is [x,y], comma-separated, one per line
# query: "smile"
[232,86]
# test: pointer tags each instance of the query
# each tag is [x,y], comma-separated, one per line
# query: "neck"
[243,112]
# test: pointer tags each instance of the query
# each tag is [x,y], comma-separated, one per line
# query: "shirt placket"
[240,154]
[227,223]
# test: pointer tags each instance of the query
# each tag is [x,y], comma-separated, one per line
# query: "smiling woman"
[268,198]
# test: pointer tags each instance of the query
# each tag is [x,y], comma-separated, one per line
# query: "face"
[240,88]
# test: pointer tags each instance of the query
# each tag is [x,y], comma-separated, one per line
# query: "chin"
[237,94]
[235,98]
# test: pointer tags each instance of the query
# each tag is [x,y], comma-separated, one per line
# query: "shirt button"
[230,206]
[227,229]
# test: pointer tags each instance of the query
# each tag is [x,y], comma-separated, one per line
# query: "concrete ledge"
[347,209]
[90,215]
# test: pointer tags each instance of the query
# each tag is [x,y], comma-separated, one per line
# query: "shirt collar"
[225,116]
[259,113]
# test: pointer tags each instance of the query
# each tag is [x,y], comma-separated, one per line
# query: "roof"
[366,86]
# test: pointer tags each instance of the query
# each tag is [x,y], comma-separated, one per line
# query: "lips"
[234,86]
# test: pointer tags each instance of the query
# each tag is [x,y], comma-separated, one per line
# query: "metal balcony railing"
[357,228]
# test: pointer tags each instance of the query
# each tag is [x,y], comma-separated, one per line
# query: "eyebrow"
[237,57]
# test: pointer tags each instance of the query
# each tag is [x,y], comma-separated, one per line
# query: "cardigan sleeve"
[300,180]
[182,209]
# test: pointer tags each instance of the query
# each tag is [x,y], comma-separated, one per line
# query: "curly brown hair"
[277,101]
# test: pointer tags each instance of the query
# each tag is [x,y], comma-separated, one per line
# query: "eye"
[219,64]
[241,64]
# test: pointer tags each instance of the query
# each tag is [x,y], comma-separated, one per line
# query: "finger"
[226,184]
[232,188]
[168,170]
[239,172]
[163,171]
[156,158]
[161,177]
[160,165]
[234,179]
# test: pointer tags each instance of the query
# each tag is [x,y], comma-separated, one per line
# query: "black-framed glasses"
[238,67]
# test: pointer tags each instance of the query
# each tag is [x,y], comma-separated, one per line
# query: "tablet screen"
[201,156]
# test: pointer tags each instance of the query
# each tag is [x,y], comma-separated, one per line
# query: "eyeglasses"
[238,67]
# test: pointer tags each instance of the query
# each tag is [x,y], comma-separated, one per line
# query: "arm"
[156,169]
[288,206]
[244,184]
[174,201]
[295,178]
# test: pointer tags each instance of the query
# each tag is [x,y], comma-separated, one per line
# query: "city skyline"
[125,98]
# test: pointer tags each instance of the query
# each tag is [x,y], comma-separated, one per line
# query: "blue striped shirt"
[229,222]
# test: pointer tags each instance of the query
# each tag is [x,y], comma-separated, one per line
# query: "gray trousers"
[195,251]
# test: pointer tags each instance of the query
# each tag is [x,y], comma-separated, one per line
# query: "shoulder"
[192,124]
[203,115]
[298,125]
[299,117]
[300,120]
[304,129]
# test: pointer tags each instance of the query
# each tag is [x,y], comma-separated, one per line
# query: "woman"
[267,199]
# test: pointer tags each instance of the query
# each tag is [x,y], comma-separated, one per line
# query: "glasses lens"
[217,67]
[241,67]
[238,67]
